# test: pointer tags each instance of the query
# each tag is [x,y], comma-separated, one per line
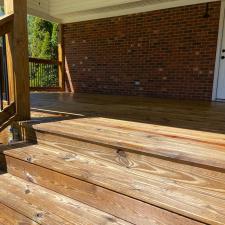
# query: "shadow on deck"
[194,115]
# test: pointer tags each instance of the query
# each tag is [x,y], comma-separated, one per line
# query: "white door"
[221,78]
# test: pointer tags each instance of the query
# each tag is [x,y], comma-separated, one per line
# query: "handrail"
[7,113]
[7,116]
[6,24]
[44,61]
[6,18]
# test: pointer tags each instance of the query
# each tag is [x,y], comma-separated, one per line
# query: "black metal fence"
[43,73]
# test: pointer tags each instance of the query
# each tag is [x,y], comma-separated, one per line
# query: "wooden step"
[47,207]
[188,190]
[11,217]
[129,209]
[203,148]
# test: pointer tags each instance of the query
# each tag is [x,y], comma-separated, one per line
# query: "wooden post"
[18,47]
[61,67]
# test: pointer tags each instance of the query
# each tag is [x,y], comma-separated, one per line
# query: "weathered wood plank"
[7,113]
[179,189]
[44,61]
[6,24]
[176,133]
[121,206]
[7,116]
[47,207]
[194,115]
[143,132]
[6,19]
[11,217]
[205,154]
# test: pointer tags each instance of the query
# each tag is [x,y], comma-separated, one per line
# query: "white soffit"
[39,8]
[67,11]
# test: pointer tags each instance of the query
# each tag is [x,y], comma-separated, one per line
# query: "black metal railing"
[4,82]
[43,73]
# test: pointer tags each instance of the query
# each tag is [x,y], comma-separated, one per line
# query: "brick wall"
[165,53]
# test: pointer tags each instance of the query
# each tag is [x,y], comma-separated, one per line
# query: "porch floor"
[194,115]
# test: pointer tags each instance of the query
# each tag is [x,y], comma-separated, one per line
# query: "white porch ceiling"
[66,11]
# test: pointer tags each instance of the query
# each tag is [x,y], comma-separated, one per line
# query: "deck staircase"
[102,171]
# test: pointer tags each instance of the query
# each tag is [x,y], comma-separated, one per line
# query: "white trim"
[218,52]
[44,9]
[89,15]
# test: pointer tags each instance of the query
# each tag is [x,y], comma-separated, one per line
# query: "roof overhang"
[68,11]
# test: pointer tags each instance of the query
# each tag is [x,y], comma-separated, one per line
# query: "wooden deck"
[116,160]
[194,115]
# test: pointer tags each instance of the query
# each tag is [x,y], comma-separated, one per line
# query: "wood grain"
[44,61]
[121,206]
[6,24]
[7,113]
[47,207]
[7,116]
[187,150]
[191,115]
[17,48]
[11,217]
[181,191]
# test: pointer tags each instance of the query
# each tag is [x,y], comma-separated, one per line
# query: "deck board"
[194,115]
[11,217]
[47,207]
[167,154]
[129,209]
[206,149]
[179,188]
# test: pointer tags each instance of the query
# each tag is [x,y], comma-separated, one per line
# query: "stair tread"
[44,206]
[9,216]
[191,146]
[193,193]
[117,204]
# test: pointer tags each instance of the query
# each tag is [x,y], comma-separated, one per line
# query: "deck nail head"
[30,178]
[29,159]
[39,215]
[27,191]
[121,153]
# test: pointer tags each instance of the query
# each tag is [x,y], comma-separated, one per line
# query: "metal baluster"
[5,70]
[1,81]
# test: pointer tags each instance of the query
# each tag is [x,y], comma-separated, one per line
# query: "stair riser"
[126,208]
[46,137]
[124,157]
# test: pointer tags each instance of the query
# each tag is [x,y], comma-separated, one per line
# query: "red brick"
[170,52]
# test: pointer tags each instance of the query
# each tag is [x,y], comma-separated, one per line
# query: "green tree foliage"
[42,43]
[42,38]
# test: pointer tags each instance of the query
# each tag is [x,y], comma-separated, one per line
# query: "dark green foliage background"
[43,39]
[42,43]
